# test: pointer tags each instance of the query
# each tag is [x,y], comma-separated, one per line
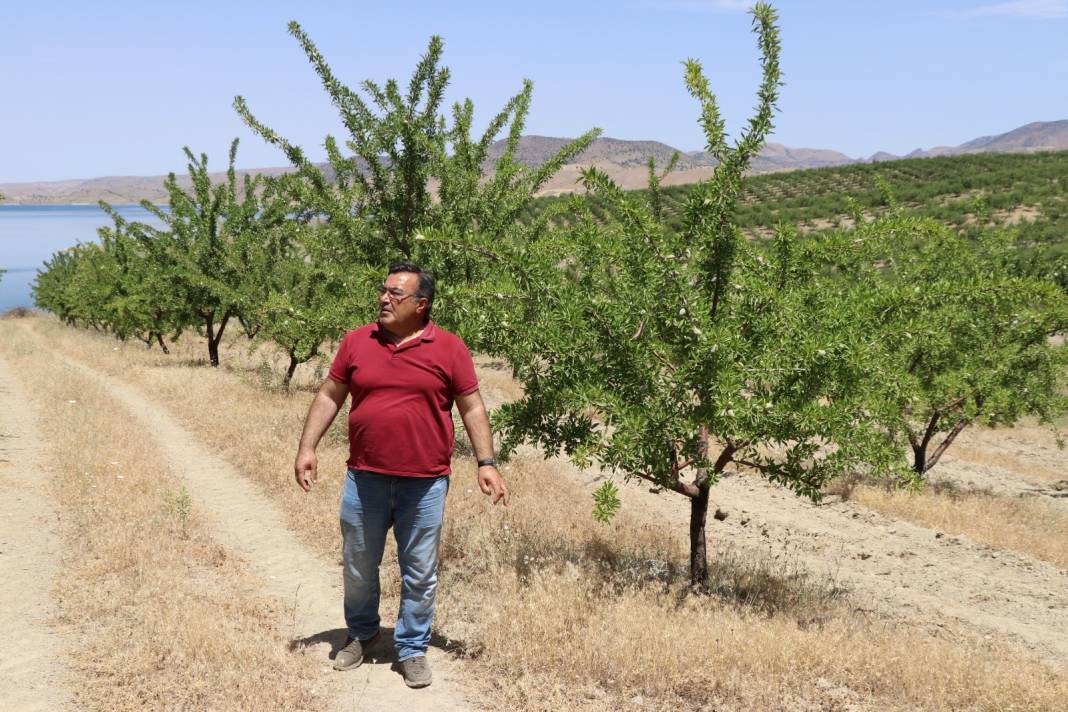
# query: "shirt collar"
[429,331]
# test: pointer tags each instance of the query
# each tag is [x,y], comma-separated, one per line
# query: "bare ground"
[252,528]
[944,584]
[30,650]
[1023,461]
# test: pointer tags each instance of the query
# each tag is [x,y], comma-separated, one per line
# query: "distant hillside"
[118,190]
[624,161]
[536,150]
[1022,191]
[533,151]
[627,161]
[1032,137]
[1036,136]
[776,157]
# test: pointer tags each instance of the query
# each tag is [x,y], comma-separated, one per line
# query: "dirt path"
[1021,462]
[30,651]
[1001,482]
[251,526]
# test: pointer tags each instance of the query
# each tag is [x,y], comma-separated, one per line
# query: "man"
[403,373]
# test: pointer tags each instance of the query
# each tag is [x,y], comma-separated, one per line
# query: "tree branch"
[952,435]
[937,454]
[724,457]
[956,402]
[932,428]
[912,438]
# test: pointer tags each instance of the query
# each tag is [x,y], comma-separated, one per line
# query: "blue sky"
[117,88]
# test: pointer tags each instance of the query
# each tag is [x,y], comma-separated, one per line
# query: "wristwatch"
[488,462]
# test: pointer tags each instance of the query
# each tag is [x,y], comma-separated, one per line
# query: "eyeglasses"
[395,295]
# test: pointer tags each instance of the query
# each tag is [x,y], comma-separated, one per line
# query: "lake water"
[30,234]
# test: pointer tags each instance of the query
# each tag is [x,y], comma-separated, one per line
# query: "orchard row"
[650,337]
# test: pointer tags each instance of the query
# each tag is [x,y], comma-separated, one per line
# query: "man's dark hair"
[426,283]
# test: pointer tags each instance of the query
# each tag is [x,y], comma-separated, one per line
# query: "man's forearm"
[476,422]
[322,412]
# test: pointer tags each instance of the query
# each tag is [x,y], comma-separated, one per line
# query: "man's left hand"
[491,483]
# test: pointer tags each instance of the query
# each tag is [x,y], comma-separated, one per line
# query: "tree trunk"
[213,345]
[699,493]
[251,330]
[921,463]
[215,338]
[950,437]
[919,458]
[698,548]
[162,343]
[919,447]
[289,372]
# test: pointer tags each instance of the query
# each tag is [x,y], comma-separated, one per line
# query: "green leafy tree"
[300,310]
[82,285]
[205,242]
[48,288]
[670,355]
[969,338]
[144,304]
[405,169]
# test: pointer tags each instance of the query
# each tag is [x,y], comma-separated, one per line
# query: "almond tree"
[52,287]
[671,355]
[299,309]
[116,285]
[145,303]
[968,337]
[377,191]
[205,241]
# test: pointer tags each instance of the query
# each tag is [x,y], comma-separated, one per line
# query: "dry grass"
[1028,525]
[158,616]
[676,651]
[1014,464]
[555,611]
[1021,464]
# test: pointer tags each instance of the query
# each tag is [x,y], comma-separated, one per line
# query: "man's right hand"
[306,469]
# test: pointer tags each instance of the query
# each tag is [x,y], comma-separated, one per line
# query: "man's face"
[398,307]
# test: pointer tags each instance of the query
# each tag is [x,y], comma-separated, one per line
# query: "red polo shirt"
[400,422]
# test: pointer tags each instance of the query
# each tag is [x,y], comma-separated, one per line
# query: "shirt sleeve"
[463,376]
[340,369]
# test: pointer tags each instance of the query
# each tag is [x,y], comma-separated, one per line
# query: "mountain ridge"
[625,161]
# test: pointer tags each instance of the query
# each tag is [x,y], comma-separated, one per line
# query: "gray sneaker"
[352,655]
[416,671]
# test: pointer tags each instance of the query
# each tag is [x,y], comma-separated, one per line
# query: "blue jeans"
[414,507]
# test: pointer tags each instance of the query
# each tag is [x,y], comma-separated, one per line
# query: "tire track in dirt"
[250,525]
[910,571]
[30,650]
